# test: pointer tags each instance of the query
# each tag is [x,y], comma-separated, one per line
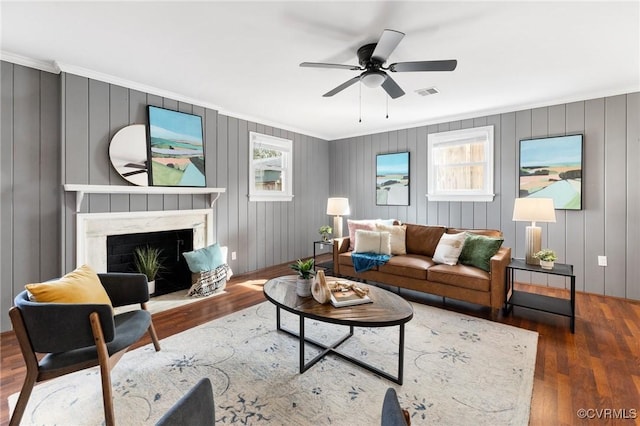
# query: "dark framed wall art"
[552,168]
[392,179]
[176,148]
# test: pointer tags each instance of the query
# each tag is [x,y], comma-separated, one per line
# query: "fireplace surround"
[92,230]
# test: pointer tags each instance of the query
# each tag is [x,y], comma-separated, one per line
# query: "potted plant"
[547,257]
[325,231]
[305,271]
[148,261]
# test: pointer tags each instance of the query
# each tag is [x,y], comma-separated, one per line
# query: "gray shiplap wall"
[56,129]
[262,233]
[608,224]
[30,180]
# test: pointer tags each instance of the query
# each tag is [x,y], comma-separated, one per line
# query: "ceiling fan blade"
[392,88]
[388,42]
[447,65]
[323,65]
[342,86]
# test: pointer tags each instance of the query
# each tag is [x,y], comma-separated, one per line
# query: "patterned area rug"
[459,370]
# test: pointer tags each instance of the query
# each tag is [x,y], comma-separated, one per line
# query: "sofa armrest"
[499,264]
[340,245]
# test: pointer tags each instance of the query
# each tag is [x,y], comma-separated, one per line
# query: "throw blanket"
[365,261]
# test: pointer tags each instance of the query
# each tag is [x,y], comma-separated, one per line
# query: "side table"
[554,305]
[326,265]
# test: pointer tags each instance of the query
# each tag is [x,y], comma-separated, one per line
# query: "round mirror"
[128,154]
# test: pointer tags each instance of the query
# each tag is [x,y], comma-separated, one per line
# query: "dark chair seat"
[195,408]
[129,328]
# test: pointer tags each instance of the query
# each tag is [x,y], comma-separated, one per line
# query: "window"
[270,168]
[461,165]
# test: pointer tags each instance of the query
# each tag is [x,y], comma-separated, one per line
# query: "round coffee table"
[387,309]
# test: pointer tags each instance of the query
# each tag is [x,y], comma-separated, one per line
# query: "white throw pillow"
[372,242]
[398,237]
[366,224]
[449,248]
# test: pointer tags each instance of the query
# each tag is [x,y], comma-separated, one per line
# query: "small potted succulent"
[325,231]
[546,257]
[305,271]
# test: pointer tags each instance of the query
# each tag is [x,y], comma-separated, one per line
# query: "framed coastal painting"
[175,148]
[392,179]
[552,168]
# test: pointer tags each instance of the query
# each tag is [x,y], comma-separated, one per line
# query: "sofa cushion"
[423,239]
[397,233]
[478,251]
[372,242]
[494,233]
[460,276]
[449,248]
[409,265]
[367,225]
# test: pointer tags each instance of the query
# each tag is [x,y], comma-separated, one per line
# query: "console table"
[554,305]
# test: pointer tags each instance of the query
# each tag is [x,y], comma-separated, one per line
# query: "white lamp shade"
[534,210]
[338,206]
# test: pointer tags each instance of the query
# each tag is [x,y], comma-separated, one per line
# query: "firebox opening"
[175,274]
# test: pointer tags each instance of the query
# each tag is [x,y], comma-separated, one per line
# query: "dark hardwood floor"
[595,369]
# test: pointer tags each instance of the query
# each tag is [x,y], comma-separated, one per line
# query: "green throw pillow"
[204,259]
[478,251]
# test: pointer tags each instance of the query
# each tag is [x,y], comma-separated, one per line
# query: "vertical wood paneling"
[6,194]
[119,118]
[575,237]
[615,187]
[594,194]
[50,188]
[605,226]
[232,190]
[221,161]
[31,199]
[633,197]
[98,143]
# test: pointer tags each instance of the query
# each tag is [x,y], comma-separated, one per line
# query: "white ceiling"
[242,57]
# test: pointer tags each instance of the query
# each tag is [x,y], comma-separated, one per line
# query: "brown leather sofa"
[417,271]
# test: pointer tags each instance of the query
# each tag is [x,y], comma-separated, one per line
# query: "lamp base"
[533,244]
[337,227]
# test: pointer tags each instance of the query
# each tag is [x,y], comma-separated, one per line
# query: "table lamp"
[533,210]
[338,207]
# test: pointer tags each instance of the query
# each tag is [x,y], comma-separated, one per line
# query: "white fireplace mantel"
[80,190]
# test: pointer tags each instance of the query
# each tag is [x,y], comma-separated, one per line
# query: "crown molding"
[39,64]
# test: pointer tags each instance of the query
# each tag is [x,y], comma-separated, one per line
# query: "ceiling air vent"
[428,91]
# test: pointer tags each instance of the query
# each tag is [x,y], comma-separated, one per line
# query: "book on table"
[340,299]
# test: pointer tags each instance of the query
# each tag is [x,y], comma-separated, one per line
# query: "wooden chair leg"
[105,369]
[23,399]
[152,331]
[31,362]
[154,337]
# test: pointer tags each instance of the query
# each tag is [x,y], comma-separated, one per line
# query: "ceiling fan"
[372,58]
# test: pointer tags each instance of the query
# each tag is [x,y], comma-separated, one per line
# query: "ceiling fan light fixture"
[373,78]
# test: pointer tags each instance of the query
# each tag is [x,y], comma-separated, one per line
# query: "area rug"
[459,370]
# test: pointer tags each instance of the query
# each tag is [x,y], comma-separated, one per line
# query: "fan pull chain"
[360,97]
[387,99]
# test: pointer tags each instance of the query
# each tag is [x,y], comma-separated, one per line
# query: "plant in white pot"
[305,271]
[148,261]
[547,258]
[325,231]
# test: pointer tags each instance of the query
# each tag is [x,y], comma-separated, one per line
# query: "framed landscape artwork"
[392,179]
[552,168]
[176,148]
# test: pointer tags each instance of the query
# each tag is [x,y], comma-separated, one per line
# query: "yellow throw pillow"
[79,286]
